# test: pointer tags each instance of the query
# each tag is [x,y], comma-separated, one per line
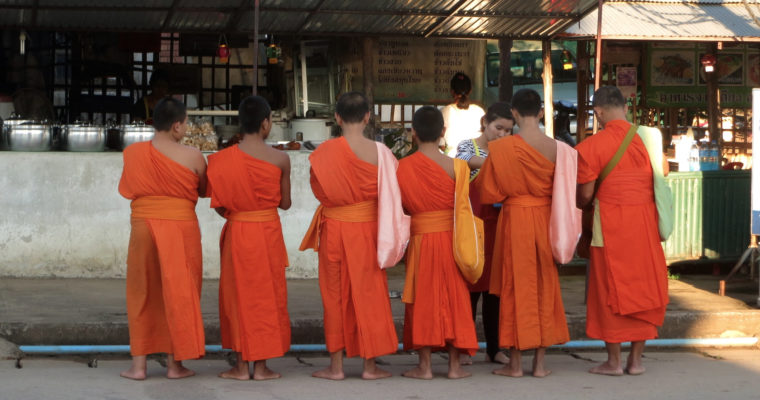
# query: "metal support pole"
[255,47]
[598,55]
[546,47]
[304,83]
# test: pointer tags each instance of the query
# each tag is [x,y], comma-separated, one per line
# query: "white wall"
[62,216]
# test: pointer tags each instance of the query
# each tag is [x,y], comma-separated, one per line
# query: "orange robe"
[628,286]
[253,297]
[490,216]
[439,312]
[357,309]
[164,261]
[523,274]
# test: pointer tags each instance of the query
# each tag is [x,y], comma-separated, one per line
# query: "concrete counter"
[63,217]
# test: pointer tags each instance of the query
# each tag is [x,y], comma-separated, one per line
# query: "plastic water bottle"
[714,156]
[694,157]
[704,157]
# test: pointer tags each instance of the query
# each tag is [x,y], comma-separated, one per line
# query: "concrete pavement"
[92,311]
[711,374]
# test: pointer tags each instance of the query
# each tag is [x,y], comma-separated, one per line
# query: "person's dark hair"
[461,86]
[500,109]
[252,112]
[168,111]
[527,102]
[427,123]
[609,96]
[159,75]
[352,107]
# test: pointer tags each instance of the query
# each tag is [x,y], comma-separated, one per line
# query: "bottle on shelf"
[715,156]
[694,157]
[704,157]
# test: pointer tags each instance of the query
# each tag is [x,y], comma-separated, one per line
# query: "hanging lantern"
[708,61]
[224,53]
[273,54]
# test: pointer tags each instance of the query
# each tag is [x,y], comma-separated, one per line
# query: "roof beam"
[245,7]
[312,13]
[442,21]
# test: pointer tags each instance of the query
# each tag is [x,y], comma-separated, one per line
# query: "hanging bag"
[468,245]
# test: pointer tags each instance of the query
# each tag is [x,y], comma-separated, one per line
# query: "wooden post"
[368,65]
[546,47]
[583,106]
[598,55]
[255,47]
[505,72]
[713,99]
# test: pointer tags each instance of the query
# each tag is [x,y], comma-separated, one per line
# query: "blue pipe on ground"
[311,348]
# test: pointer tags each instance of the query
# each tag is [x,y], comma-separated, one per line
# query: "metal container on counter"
[136,132]
[7,124]
[313,129]
[30,136]
[83,137]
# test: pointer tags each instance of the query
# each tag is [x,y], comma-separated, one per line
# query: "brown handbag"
[587,219]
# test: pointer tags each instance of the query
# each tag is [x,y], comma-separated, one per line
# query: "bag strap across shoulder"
[618,154]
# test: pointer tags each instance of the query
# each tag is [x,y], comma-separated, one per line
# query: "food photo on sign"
[673,67]
[729,68]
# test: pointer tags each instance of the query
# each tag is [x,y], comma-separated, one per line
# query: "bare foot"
[375,373]
[133,374]
[465,359]
[266,374]
[179,373]
[235,373]
[507,371]
[458,373]
[541,373]
[328,373]
[634,368]
[607,369]
[419,373]
[499,358]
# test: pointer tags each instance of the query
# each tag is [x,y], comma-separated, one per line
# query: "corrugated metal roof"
[439,18]
[670,20]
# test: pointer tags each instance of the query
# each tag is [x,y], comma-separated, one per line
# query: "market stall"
[101,64]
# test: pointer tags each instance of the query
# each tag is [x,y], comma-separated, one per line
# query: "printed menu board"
[676,77]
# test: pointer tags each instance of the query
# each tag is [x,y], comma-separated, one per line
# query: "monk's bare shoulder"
[279,158]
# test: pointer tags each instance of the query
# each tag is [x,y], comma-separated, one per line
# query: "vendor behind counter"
[142,110]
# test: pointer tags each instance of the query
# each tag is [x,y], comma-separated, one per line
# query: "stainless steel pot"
[83,137]
[134,133]
[30,136]
[7,124]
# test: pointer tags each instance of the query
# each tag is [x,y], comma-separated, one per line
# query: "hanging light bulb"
[22,37]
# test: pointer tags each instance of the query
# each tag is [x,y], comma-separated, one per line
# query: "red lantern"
[224,53]
[708,61]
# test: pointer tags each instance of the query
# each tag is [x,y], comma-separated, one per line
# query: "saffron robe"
[439,310]
[357,310]
[627,286]
[490,216]
[253,297]
[523,271]
[164,260]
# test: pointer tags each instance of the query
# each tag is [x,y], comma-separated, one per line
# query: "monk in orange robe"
[357,310]
[247,182]
[436,295]
[497,123]
[519,173]
[164,264]
[627,285]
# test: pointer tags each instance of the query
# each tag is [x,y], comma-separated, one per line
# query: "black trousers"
[490,314]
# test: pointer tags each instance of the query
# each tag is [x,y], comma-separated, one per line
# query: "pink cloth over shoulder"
[565,220]
[392,223]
